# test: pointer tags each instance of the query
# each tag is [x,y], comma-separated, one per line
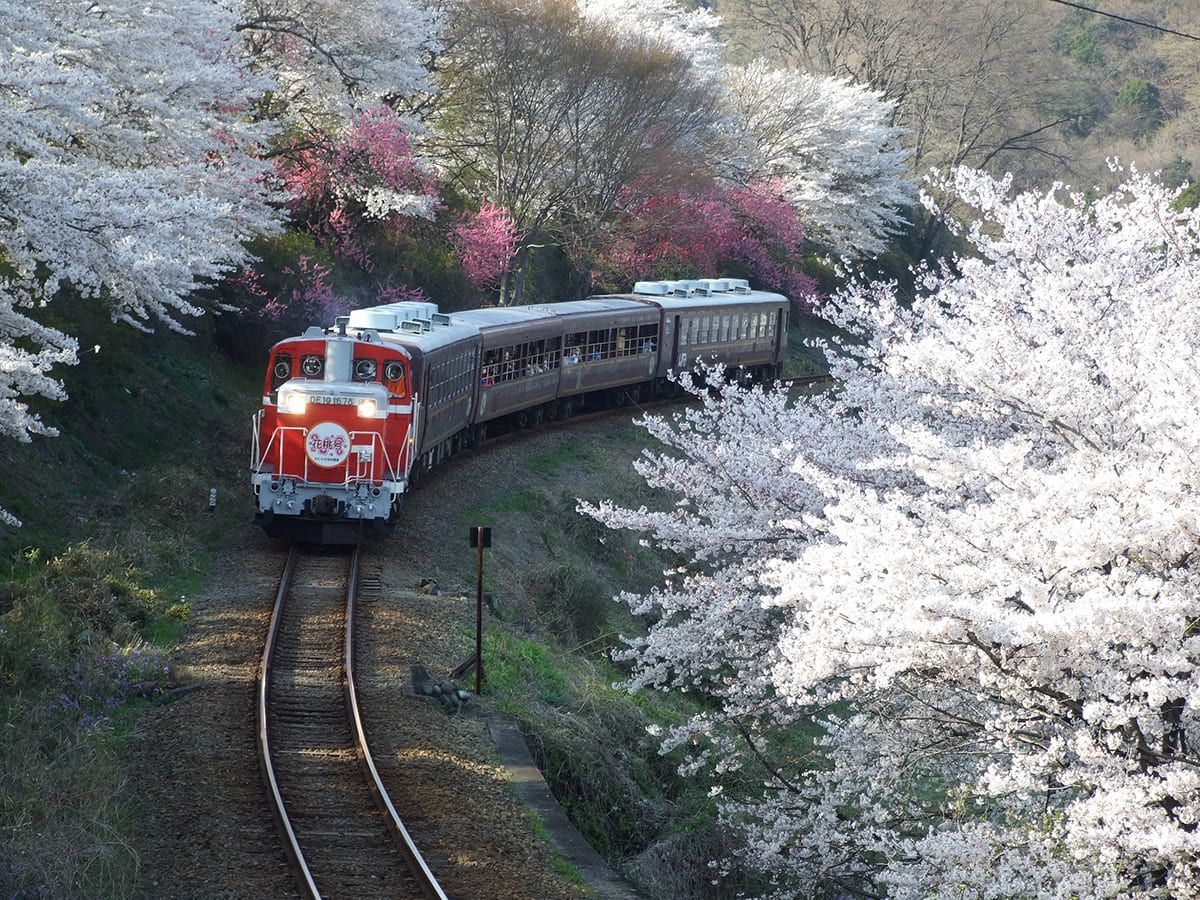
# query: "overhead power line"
[1100,12]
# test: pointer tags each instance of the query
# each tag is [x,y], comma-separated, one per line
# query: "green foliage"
[568,600]
[515,666]
[1086,48]
[1140,108]
[99,592]
[61,812]
[1189,198]
[1080,37]
[1177,171]
[72,667]
[35,641]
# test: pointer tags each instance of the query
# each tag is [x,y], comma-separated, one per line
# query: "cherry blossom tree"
[128,171]
[689,33]
[832,145]
[946,614]
[331,58]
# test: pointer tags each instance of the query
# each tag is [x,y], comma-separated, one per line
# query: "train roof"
[440,335]
[498,315]
[590,305]
[702,301]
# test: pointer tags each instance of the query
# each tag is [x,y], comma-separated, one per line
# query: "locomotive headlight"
[296,404]
[367,408]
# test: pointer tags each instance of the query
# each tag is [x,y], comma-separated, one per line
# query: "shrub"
[572,604]
[98,592]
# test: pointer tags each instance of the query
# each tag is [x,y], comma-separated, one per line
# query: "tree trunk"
[505,276]
[930,233]
[583,286]
[520,269]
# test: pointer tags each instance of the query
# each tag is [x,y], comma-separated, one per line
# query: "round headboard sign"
[327,444]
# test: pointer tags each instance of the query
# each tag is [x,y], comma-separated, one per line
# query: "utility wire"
[1100,12]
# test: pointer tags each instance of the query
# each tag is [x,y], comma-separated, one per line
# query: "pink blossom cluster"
[312,297]
[486,241]
[369,174]
[753,228]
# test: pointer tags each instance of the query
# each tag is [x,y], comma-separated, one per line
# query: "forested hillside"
[1041,90]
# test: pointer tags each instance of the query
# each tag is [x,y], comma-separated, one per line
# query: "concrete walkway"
[532,788]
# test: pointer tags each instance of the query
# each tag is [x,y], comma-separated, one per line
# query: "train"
[355,413]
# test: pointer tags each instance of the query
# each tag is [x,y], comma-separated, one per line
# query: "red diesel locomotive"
[352,414]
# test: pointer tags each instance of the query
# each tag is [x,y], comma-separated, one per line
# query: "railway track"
[339,828]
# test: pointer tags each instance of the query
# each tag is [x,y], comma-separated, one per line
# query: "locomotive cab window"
[281,369]
[394,379]
[365,369]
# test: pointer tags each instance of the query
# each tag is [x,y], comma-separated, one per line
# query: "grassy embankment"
[548,664]
[93,588]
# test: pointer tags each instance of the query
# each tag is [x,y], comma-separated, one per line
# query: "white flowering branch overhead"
[969,573]
[128,171]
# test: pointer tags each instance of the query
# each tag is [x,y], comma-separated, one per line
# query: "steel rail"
[420,869]
[291,846]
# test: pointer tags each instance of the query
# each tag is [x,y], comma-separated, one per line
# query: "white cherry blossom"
[969,572]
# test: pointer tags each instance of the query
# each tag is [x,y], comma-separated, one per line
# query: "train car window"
[573,349]
[647,338]
[735,328]
[724,328]
[695,329]
[704,330]
[770,325]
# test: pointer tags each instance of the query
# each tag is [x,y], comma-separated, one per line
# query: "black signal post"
[481,537]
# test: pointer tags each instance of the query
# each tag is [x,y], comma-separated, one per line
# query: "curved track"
[339,828]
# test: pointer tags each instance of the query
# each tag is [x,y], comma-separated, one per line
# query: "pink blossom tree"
[707,230]
[945,616]
[357,196]
[486,241]
[347,189]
